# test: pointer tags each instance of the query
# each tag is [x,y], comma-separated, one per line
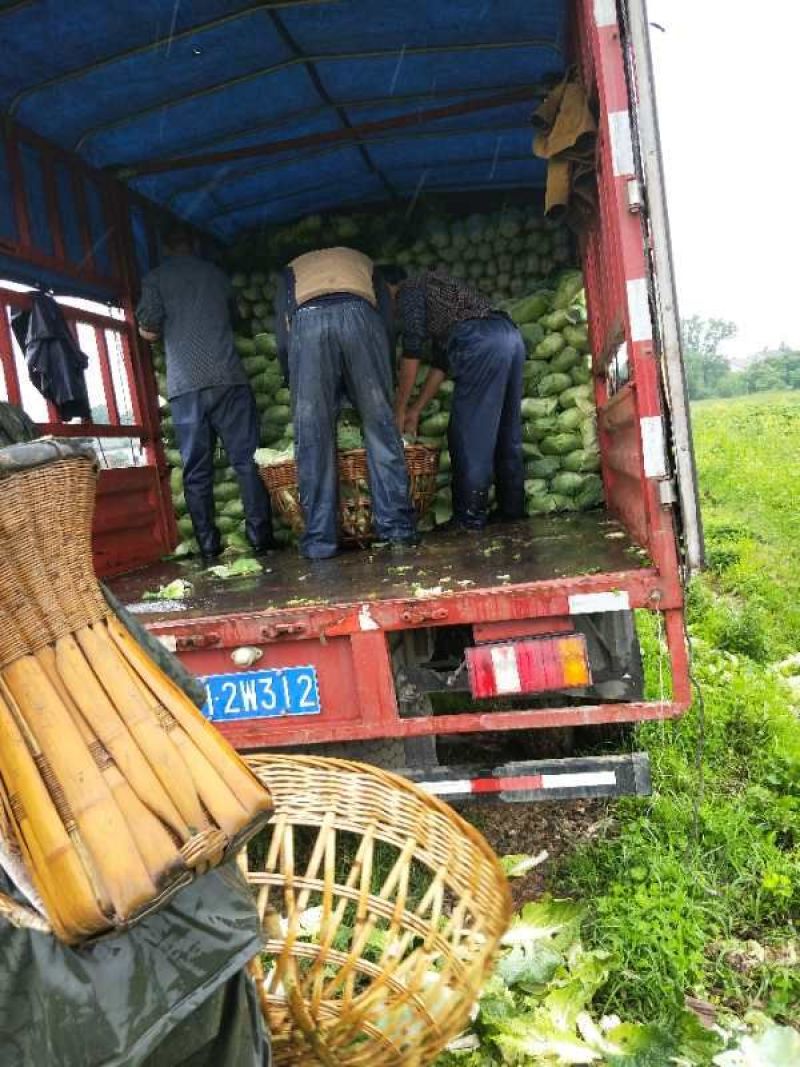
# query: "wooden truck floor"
[532,550]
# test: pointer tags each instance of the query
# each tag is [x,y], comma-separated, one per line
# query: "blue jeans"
[227,413]
[486,357]
[333,346]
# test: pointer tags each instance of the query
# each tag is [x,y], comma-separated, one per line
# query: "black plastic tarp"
[170,992]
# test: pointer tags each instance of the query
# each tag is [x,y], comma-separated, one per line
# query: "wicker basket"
[355,502]
[114,790]
[382,910]
[23,916]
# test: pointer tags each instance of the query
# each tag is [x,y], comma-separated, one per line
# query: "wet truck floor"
[531,550]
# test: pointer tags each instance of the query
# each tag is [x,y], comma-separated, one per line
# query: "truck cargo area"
[502,555]
[404,131]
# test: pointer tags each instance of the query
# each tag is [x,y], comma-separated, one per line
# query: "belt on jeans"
[333,301]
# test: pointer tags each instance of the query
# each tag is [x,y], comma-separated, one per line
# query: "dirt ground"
[555,828]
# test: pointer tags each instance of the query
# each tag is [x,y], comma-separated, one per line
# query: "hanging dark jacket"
[56,365]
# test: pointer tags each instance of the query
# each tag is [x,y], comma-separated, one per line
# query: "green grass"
[748,452]
[696,889]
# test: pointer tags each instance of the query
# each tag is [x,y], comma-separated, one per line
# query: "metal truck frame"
[106,238]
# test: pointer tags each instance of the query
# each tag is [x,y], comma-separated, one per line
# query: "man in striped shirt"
[483,352]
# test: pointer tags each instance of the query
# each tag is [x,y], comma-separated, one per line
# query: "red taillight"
[535,666]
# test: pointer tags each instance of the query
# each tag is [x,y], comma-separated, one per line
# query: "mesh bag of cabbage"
[116,790]
[382,910]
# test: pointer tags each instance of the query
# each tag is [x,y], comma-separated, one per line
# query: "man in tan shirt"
[332,323]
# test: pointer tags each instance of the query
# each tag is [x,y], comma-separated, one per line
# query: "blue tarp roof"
[123,83]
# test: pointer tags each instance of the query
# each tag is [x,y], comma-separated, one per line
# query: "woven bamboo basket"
[115,790]
[381,908]
[355,501]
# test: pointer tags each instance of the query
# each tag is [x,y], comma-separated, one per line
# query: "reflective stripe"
[589,603]
[639,310]
[504,784]
[619,127]
[529,783]
[573,781]
[653,448]
[605,12]
[446,789]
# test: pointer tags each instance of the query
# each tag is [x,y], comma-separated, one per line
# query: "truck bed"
[531,550]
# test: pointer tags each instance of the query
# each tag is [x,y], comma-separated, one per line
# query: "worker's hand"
[148,335]
[411,423]
[400,418]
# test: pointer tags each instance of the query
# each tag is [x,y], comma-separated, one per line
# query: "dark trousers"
[201,418]
[336,345]
[486,358]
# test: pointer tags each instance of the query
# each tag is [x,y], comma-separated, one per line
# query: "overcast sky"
[727,81]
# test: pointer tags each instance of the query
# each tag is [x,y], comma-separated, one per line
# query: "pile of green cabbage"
[562,458]
[505,254]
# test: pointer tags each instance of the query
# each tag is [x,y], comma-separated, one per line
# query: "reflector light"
[537,665]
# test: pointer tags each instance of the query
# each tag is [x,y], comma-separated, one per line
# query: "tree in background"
[776,370]
[707,369]
[709,373]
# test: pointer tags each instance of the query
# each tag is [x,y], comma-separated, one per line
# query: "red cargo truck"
[507,636]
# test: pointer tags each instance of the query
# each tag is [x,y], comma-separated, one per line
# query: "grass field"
[694,892]
[699,890]
[748,453]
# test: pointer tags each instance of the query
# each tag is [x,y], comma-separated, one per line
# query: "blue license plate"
[267,694]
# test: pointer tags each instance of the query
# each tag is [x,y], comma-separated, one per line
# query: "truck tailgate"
[533,550]
[338,627]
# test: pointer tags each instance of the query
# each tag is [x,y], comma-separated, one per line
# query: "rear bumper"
[540,780]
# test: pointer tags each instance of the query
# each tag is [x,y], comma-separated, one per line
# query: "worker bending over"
[189,302]
[332,323]
[483,352]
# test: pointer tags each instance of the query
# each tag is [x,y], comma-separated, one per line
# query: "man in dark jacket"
[188,302]
[332,312]
[484,353]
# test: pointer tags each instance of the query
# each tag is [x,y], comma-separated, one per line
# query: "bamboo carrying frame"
[407,905]
[115,791]
[355,502]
